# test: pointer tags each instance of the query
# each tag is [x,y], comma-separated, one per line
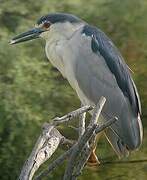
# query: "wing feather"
[101,71]
[102,44]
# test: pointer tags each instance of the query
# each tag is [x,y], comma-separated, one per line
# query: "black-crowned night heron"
[94,67]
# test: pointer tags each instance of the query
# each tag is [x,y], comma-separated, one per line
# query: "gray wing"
[101,71]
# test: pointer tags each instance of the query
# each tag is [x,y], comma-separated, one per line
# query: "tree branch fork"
[79,150]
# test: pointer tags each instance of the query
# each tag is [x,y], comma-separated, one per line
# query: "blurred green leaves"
[32,91]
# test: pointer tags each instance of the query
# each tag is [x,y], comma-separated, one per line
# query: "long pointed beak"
[26,36]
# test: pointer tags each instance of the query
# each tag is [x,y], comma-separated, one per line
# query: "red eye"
[46,25]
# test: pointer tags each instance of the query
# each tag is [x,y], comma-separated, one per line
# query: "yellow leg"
[93,160]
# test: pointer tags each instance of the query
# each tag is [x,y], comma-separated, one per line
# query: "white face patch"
[59,31]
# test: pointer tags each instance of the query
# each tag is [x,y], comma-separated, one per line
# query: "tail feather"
[126,134]
[116,143]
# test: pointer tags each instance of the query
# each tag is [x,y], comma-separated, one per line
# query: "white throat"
[60,50]
[56,42]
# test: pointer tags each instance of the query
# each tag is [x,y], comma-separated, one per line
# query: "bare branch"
[71,115]
[105,125]
[126,162]
[85,153]
[79,151]
[87,150]
[45,146]
[95,117]
[82,118]
[68,142]
[47,143]
[54,164]
[97,110]
[83,158]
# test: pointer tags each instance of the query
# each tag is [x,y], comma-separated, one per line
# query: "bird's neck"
[56,42]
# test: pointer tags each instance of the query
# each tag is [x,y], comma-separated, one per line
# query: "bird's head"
[56,24]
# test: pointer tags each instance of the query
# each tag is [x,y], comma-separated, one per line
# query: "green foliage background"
[32,91]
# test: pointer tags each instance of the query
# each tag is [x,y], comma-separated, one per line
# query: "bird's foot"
[93,160]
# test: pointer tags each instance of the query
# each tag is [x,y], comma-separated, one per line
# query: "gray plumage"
[94,67]
[115,83]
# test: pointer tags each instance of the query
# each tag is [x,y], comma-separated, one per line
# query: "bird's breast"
[68,51]
[62,56]
[52,50]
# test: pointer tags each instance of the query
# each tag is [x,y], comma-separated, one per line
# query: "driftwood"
[79,151]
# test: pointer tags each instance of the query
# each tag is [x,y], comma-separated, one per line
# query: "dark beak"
[26,36]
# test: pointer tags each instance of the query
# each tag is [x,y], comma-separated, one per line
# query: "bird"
[94,67]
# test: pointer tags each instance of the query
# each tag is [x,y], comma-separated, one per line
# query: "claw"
[93,160]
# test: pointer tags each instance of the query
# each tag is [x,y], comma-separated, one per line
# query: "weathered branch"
[126,162]
[47,143]
[83,158]
[85,153]
[71,115]
[98,110]
[83,140]
[45,146]
[54,164]
[82,118]
[79,151]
